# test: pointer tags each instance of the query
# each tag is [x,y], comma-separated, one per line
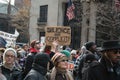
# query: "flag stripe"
[70,10]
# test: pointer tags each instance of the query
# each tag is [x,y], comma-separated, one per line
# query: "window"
[43,13]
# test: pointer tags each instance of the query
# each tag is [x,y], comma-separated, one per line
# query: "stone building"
[5,18]
[53,13]
[47,13]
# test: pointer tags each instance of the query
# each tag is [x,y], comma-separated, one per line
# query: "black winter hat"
[42,59]
[88,45]
[108,45]
[90,58]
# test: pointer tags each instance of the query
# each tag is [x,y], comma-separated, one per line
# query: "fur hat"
[57,58]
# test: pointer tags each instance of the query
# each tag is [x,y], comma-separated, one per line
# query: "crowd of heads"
[16,56]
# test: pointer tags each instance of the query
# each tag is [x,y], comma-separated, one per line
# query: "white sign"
[10,38]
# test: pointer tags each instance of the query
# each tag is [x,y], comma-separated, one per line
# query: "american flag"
[70,10]
[117,3]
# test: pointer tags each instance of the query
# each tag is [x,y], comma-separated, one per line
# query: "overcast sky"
[6,1]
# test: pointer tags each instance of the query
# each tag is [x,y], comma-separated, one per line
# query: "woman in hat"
[8,68]
[60,72]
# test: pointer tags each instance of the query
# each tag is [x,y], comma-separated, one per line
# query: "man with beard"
[109,66]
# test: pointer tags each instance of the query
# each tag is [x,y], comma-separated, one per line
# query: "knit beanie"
[90,58]
[57,58]
[73,52]
[66,53]
[88,45]
[9,49]
[42,59]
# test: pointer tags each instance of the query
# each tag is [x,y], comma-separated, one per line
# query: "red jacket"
[33,50]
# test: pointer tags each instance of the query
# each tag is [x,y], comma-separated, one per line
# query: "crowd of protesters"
[30,62]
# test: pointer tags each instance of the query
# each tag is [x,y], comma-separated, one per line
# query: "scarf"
[65,73]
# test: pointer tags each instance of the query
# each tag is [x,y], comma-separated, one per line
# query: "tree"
[21,21]
[108,21]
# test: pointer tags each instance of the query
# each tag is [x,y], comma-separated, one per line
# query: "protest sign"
[60,34]
[9,38]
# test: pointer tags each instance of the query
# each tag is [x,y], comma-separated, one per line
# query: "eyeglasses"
[116,51]
[12,56]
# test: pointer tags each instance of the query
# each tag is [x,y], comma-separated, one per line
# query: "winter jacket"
[82,61]
[33,50]
[10,74]
[36,73]
[28,63]
[104,71]
[86,69]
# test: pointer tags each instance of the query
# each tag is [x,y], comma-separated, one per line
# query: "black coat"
[11,74]
[104,71]
[36,73]
[82,61]
[28,64]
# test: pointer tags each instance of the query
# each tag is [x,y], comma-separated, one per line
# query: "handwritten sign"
[10,38]
[60,34]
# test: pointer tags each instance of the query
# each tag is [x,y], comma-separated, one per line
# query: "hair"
[47,47]
[32,44]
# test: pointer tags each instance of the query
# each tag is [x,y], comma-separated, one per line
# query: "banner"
[10,38]
[58,33]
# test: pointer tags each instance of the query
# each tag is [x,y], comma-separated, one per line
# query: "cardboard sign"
[60,34]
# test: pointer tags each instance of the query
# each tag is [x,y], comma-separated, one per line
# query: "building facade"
[5,11]
[53,13]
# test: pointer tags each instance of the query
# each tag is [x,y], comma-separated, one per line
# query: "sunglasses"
[64,60]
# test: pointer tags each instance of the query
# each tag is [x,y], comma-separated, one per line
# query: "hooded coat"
[39,69]
[36,73]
